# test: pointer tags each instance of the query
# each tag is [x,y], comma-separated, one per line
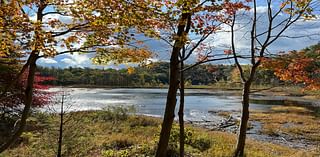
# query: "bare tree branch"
[253,32]
[56,12]
[212,60]
[243,79]
[56,34]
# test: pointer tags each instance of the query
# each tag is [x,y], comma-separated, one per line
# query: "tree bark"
[172,92]
[239,152]
[181,111]
[28,103]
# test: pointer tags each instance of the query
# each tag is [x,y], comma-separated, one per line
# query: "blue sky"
[219,40]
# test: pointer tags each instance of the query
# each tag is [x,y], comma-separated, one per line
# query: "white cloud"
[69,61]
[63,19]
[47,61]
[222,39]
[75,60]
[79,58]
[307,30]
[260,9]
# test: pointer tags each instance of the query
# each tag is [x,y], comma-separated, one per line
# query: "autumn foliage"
[121,56]
[14,97]
[299,67]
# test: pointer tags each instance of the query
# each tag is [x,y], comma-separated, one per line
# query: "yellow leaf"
[130,70]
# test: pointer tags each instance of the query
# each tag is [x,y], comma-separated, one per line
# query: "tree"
[181,106]
[12,101]
[300,67]
[192,18]
[173,86]
[41,28]
[260,39]
[59,150]
[200,20]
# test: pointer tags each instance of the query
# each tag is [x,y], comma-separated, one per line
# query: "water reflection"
[152,101]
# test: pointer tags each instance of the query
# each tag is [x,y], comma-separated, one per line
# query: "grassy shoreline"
[115,133]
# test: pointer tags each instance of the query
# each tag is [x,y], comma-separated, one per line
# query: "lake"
[152,101]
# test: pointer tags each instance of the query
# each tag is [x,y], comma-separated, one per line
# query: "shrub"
[201,143]
[116,113]
[142,121]
[118,144]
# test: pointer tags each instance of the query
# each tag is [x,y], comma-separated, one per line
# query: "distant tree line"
[156,74]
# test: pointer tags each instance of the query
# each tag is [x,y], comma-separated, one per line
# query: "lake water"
[152,101]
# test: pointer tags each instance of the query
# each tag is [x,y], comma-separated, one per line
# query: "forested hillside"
[156,74]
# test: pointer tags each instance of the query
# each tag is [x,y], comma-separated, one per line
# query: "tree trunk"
[239,152]
[28,103]
[29,87]
[170,105]
[61,127]
[181,110]
[172,92]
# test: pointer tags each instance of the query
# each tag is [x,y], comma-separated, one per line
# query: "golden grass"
[90,134]
[291,120]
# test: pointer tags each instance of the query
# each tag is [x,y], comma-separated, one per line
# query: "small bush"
[201,143]
[118,144]
[116,113]
[142,121]
[173,150]
[175,134]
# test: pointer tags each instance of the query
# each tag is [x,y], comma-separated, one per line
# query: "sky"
[310,29]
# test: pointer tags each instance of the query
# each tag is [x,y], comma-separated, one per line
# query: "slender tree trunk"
[172,92]
[61,127]
[239,152]
[170,105]
[181,110]
[28,103]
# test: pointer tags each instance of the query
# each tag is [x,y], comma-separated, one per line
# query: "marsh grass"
[90,133]
[297,122]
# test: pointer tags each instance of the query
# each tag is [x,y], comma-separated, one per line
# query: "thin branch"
[197,44]
[72,51]
[299,36]
[56,12]
[56,34]
[243,79]
[253,32]
[272,18]
[167,41]
[286,26]
[211,60]
[269,29]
